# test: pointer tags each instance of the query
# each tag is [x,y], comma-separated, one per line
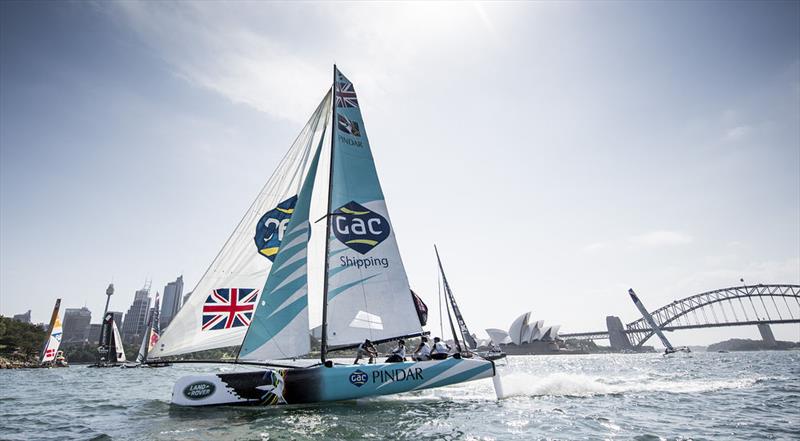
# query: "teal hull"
[321,384]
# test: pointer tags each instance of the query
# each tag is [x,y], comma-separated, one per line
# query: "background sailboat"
[51,356]
[669,349]
[353,267]
[111,352]
[469,344]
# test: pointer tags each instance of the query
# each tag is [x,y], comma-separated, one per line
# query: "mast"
[650,320]
[53,318]
[324,343]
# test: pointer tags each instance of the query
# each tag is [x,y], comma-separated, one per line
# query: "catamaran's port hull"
[319,383]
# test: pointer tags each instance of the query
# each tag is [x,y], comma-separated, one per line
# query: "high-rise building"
[136,317]
[94,332]
[24,318]
[173,294]
[76,324]
[186,298]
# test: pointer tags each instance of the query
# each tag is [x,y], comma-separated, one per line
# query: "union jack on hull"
[345,94]
[229,308]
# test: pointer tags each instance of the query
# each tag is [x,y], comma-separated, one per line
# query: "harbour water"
[746,395]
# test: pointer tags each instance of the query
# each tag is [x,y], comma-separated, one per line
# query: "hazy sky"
[557,153]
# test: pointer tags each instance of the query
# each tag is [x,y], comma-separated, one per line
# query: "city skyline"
[557,153]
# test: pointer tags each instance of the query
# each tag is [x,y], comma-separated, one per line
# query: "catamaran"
[470,345]
[322,233]
[149,340]
[111,352]
[669,349]
[51,356]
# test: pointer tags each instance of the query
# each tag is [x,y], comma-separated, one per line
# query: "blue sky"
[558,153]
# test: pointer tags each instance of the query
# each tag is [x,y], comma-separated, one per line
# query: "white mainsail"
[220,309]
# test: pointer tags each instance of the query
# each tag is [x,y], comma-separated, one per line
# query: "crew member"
[423,352]
[398,353]
[366,349]
[440,349]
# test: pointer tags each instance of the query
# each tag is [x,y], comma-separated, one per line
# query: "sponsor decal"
[359,228]
[348,126]
[345,94]
[364,263]
[399,374]
[359,378]
[198,390]
[271,226]
[349,141]
[227,308]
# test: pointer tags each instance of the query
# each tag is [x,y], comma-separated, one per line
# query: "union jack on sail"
[345,94]
[229,308]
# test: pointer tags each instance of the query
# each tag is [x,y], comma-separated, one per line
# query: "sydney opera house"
[526,337]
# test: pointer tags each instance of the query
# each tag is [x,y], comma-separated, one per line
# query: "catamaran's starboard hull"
[318,384]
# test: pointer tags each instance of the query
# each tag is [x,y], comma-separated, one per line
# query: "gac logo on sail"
[271,226]
[358,227]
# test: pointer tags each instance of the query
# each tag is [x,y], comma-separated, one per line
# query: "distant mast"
[650,321]
[462,325]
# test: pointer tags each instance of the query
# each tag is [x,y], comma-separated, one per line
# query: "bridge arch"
[668,317]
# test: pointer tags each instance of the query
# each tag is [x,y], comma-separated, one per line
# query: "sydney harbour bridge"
[759,305]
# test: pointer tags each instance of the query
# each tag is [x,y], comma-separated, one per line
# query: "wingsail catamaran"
[470,345]
[111,352]
[669,349]
[51,356]
[322,233]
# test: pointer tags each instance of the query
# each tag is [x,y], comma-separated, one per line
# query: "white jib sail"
[140,357]
[53,342]
[118,344]
[220,308]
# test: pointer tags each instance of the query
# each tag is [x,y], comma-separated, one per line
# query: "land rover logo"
[359,378]
[198,390]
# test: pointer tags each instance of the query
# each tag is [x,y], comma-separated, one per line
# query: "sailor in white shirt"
[423,352]
[440,349]
[398,353]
